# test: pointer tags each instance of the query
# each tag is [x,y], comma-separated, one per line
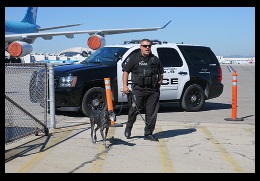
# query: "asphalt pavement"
[189,142]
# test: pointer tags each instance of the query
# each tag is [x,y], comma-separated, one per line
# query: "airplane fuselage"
[13,27]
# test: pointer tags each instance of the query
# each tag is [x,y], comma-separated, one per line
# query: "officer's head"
[145,47]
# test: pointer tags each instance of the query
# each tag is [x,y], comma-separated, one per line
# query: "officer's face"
[145,48]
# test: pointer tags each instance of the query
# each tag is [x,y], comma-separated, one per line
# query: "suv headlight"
[68,81]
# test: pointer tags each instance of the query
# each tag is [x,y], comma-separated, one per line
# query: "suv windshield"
[106,55]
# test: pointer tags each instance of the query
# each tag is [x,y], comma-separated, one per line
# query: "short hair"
[145,39]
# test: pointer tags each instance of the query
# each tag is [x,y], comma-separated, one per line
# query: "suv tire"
[92,95]
[193,98]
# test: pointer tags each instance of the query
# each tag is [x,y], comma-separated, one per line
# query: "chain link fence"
[27,102]
[25,111]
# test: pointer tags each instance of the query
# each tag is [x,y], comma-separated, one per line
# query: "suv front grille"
[56,78]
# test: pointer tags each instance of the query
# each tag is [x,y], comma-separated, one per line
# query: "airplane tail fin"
[31,15]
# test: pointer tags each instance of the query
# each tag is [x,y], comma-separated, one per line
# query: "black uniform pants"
[144,99]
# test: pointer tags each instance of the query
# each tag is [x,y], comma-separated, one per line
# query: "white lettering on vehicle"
[171,81]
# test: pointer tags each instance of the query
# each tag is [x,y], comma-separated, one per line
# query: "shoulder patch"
[125,62]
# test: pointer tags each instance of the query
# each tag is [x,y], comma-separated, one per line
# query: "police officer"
[146,76]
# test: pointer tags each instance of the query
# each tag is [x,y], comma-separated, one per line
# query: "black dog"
[101,118]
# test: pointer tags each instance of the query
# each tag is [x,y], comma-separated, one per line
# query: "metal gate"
[26,108]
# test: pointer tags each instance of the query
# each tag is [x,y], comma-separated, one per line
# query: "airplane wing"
[70,34]
[18,45]
[57,27]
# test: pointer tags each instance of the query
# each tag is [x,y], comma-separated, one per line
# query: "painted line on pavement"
[164,153]
[97,165]
[41,155]
[227,156]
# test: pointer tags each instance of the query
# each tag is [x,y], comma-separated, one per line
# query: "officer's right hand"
[125,90]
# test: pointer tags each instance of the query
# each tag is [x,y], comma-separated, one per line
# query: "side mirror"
[117,55]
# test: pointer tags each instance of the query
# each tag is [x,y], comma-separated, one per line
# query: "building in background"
[74,53]
[236,60]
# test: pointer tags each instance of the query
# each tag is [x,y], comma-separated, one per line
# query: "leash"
[121,106]
[134,100]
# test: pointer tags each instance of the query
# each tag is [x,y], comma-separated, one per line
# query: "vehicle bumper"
[215,90]
[68,99]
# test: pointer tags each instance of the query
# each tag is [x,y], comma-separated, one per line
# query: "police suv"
[192,75]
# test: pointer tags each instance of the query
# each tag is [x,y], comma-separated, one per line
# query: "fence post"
[234,98]
[52,96]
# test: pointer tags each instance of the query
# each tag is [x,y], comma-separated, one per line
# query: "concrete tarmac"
[189,142]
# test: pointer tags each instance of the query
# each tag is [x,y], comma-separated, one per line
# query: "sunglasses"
[145,46]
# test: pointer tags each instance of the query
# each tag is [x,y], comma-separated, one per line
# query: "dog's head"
[95,104]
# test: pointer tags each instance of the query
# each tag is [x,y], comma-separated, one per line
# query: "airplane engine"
[96,41]
[19,49]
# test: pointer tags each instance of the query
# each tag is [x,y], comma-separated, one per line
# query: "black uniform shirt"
[132,62]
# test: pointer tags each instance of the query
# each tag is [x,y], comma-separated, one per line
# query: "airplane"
[26,25]
[20,35]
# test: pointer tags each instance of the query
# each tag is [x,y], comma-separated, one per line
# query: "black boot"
[127,132]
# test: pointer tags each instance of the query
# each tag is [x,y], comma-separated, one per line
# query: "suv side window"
[198,56]
[169,57]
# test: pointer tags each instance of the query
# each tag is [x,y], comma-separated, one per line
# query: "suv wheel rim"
[193,98]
